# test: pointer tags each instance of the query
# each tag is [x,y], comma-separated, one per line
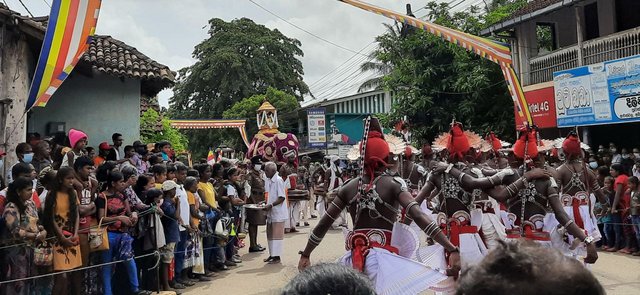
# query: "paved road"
[620,274]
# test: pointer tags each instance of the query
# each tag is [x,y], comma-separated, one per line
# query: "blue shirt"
[169,221]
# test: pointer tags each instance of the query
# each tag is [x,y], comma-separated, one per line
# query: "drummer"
[255,185]
[289,168]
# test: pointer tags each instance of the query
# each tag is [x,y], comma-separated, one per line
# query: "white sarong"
[398,273]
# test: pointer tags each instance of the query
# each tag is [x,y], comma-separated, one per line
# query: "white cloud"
[167,30]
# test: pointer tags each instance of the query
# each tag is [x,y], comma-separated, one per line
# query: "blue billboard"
[602,93]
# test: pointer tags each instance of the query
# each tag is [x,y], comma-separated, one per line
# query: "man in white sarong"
[534,208]
[381,248]
[578,185]
[277,212]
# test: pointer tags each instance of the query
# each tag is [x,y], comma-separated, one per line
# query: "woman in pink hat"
[78,141]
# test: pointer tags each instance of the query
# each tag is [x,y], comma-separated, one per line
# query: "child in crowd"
[634,211]
[159,172]
[171,233]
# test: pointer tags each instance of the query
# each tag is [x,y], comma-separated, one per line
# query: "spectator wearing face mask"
[627,160]
[593,163]
[24,152]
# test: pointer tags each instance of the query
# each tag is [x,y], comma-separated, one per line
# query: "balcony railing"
[615,46]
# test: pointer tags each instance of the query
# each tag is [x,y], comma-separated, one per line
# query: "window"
[591,25]
[627,14]
[546,37]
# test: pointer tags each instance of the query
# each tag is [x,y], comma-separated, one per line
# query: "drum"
[293,180]
[298,195]
[319,190]
[255,214]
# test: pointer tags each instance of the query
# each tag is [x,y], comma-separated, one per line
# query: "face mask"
[160,202]
[257,167]
[625,156]
[27,158]
[637,155]
[613,150]
[593,165]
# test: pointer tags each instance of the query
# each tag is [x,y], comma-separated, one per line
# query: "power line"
[348,69]
[349,72]
[338,87]
[45,2]
[25,7]
[302,29]
[336,68]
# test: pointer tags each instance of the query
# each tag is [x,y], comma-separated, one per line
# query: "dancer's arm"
[569,224]
[432,229]
[424,194]
[317,234]
[597,189]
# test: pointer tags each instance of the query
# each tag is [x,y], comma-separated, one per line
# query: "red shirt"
[621,179]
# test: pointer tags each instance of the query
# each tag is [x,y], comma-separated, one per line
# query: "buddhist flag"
[72,23]
[211,159]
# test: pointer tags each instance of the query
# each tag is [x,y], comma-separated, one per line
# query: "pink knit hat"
[75,136]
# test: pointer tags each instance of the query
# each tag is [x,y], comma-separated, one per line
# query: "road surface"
[619,274]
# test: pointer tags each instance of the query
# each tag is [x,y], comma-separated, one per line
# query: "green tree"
[285,103]
[435,81]
[149,131]
[239,59]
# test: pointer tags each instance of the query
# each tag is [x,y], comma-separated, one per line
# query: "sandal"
[274,260]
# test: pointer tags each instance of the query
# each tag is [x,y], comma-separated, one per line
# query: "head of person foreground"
[525,268]
[519,267]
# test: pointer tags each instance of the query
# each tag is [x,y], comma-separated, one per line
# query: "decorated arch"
[213,124]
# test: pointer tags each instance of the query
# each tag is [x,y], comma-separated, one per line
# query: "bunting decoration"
[213,124]
[494,51]
[71,25]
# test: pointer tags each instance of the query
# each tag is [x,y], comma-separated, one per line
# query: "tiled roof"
[112,56]
[109,55]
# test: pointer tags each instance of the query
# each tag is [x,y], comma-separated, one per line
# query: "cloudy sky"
[167,30]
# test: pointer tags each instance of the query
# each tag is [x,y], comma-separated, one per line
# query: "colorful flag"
[71,25]
[211,159]
[494,51]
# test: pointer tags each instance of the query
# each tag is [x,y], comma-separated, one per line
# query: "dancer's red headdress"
[376,150]
[426,150]
[571,145]
[526,147]
[408,152]
[458,144]
[495,143]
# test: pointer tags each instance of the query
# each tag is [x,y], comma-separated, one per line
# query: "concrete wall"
[15,62]
[99,106]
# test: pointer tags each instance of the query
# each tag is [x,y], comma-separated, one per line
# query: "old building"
[101,96]
[571,57]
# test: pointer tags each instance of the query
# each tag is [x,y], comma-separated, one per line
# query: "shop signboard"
[316,126]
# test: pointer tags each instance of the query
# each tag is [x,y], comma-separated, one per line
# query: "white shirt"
[231,191]
[274,187]
[183,201]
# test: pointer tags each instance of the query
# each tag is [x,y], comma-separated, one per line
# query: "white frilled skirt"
[399,274]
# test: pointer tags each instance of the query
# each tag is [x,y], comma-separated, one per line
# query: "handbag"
[220,230]
[43,255]
[98,236]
